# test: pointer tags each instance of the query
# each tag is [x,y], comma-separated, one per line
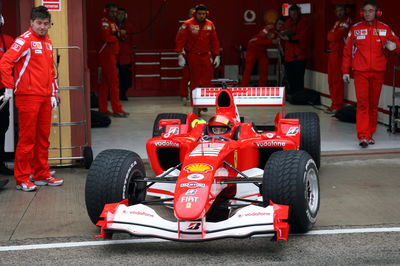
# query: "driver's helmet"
[220,125]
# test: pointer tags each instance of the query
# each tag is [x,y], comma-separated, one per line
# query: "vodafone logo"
[271,143]
[249,16]
[166,144]
[195,177]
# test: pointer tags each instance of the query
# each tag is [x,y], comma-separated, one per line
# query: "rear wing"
[243,96]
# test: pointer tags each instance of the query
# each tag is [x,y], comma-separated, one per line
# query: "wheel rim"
[133,187]
[312,191]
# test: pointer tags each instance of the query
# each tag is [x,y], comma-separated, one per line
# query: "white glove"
[181,60]
[54,103]
[217,61]
[346,78]
[390,45]
[8,94]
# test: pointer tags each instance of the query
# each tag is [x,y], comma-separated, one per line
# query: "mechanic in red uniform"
[5,44]
[197,42]
[125,53]
[108,61]
[336,38]
[296,35]
[183,84]
[27,70]
[364,53]
[256,52]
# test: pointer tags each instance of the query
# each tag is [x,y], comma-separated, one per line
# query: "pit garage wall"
[233,30]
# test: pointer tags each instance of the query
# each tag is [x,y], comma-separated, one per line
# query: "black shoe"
[363,143]
[3,181]
[123,98]
[5,171]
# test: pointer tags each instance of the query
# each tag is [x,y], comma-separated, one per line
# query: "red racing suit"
[256,51]
[336,38]
[108,61]
[198,41]
[364,54]
[28,68]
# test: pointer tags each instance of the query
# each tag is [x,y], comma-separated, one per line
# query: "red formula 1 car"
[224,178]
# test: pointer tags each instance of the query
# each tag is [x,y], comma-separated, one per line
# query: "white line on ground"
[156,240]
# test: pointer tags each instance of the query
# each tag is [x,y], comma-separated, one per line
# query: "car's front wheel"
[113,177]
[291,178]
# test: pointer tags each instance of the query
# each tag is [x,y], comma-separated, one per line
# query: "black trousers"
[125,79]
[4,123]
[295,71]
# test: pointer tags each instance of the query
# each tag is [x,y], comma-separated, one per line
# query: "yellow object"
[197,121]
[198,167]
[270,16]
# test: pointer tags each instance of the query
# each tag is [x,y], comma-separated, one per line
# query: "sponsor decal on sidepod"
[271,143]
[166,143]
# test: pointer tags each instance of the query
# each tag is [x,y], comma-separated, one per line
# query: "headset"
[378,13]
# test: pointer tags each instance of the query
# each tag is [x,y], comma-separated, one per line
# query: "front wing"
[141,220]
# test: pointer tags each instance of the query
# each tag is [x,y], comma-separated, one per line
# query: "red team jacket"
[109,31]
[28,66]
[262,39]
[197,38]
[365,45]
[337,35]
[297,47]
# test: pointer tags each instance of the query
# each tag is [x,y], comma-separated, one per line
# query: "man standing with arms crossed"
[364,53]
[197,42]
[27,70]
[336,38]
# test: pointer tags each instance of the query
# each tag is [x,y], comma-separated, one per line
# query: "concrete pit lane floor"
[359,190]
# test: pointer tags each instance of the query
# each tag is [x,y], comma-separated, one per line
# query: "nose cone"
[192,202]
[192,194]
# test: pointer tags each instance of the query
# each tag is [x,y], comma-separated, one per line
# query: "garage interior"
[349,176]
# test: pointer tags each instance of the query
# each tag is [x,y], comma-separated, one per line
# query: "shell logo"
[198,167]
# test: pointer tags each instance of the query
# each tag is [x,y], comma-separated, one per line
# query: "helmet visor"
[218,130]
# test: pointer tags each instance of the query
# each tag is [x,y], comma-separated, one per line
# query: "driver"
[220,125]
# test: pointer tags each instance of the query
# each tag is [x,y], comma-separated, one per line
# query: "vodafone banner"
[52,5]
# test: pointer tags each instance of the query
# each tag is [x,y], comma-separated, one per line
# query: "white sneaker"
[50,181]
[26,186]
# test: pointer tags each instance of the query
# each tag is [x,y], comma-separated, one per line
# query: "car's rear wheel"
[113,177]
[157,130]
[310,136]
[291,178]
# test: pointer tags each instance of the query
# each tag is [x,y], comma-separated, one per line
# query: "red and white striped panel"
[255,96]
